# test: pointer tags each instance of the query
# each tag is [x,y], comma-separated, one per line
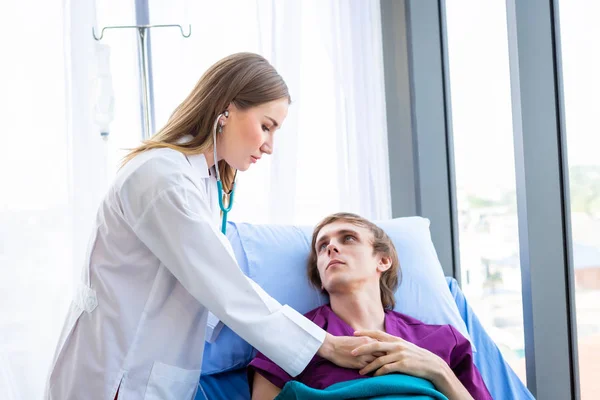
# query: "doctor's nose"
[267,146]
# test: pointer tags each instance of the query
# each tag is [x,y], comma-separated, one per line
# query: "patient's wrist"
[444,380]
[441,374]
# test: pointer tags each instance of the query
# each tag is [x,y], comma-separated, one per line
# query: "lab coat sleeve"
[177,227]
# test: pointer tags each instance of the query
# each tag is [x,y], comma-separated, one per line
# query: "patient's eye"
[322,247]
[349,238]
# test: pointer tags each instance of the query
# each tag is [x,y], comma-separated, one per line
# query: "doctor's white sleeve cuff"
[315,332]
[315,341]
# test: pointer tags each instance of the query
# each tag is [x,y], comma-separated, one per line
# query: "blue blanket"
[393,386]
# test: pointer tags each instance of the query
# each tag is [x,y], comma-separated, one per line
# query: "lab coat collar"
[198,161]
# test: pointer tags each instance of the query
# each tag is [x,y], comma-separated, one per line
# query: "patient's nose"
[331,248]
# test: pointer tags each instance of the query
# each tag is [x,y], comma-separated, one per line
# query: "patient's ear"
[385,263]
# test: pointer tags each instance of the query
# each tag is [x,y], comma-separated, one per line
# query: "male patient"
[356,263]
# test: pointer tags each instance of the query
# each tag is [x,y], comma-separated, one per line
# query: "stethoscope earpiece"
[220,127]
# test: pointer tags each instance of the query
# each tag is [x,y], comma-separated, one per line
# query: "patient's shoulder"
[402,323]
[408,320]
[439,339]
[405,319]
[319,315]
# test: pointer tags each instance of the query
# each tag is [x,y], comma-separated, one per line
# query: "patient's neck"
[361,309]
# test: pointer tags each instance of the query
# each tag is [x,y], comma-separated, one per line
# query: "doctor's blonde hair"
[244,79]
[382,245]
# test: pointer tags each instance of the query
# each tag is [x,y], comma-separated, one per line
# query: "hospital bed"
[275,258]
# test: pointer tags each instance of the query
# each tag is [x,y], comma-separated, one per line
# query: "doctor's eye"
[265,128]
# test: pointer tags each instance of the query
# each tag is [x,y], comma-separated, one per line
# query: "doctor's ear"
[224,116]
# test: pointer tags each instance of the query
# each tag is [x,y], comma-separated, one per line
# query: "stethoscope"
[224,209]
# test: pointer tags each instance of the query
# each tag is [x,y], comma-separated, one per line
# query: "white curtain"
[331,154]
[35,216]
[355,44]
[60,89]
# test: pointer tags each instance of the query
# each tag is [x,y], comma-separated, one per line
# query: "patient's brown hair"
[382,245]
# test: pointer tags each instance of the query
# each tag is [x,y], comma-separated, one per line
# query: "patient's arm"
[447,383]
[262,389]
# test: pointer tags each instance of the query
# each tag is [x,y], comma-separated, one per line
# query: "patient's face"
[345,258]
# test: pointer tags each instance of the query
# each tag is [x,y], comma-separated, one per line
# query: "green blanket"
[392,386]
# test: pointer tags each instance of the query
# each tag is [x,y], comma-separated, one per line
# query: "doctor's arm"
[176,226]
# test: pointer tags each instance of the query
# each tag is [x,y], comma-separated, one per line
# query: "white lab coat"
[156,264]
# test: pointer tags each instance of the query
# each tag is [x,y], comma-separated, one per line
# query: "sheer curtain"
[355,44]
[331,153]
[35,217]
[54,168]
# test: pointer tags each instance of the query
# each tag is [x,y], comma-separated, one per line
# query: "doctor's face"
[346,260]
[248,134]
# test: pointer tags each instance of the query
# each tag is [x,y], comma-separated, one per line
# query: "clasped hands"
[381,353]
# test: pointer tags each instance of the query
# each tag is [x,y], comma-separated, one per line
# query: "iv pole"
[143,54]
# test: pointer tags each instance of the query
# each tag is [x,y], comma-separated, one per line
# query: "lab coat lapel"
[208,183]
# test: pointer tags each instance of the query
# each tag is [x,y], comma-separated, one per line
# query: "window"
[485,172]
[579,34]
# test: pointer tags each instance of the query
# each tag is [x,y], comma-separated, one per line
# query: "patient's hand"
[338,350]
[407,358]
[399,356]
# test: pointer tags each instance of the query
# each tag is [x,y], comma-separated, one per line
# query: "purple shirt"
[442,340]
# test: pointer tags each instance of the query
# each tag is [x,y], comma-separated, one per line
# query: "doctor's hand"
[400,356]
[338,350]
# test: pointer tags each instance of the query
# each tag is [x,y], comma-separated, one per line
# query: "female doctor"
[157,261]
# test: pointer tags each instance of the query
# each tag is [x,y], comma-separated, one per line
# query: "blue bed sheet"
[500,379]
